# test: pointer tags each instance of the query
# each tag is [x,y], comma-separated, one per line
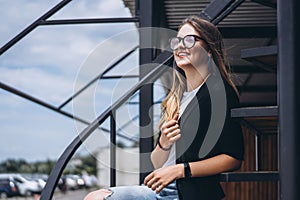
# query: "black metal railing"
[43,20]
[215,12]
[163,61]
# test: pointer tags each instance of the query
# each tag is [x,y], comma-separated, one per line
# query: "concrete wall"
[127,163]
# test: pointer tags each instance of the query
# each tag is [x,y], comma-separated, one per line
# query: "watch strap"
[187,170]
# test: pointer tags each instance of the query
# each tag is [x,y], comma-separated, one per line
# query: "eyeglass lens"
[188,42]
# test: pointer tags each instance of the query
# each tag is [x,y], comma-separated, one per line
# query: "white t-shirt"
[185,100]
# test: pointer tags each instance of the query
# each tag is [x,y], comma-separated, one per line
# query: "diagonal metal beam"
[226,12]
[214,9]
[32,26]
[38,101]
[97,77]
[53,108]
[217,10]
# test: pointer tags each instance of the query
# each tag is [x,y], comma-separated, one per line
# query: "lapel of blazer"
[200,95]
[189,122]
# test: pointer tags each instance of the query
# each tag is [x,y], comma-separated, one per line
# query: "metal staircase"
[261,120]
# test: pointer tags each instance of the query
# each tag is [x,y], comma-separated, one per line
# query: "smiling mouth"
[182,54]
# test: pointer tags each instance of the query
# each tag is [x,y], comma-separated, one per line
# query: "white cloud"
[48,60]
[17,15]
[54,87]
[91,9]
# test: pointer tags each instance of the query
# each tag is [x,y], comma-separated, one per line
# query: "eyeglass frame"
[196,38]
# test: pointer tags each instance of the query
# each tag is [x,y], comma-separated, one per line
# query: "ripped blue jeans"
[142,192]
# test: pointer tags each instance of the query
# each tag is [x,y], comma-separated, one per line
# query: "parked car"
[89,180]
[74,182]
[41,179]
[26,187]
[71,182]
[8,188]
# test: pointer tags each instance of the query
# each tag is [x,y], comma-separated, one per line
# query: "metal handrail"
[47,193]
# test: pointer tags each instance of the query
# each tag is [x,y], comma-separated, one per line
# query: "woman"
[198,138]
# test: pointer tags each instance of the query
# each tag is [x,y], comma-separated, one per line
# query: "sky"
[53,62]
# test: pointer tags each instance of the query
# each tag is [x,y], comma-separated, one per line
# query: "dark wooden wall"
[268,156]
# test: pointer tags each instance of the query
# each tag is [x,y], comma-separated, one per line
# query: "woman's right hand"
[170,132]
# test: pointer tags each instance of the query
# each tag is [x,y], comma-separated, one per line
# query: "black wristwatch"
[187,170]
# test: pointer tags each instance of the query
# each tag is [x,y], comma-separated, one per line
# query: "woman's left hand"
[160,178]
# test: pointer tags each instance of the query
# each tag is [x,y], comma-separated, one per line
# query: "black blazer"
[208,130]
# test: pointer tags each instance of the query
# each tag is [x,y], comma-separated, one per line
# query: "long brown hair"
[213,38]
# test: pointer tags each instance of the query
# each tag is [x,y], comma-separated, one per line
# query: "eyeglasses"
[188,41]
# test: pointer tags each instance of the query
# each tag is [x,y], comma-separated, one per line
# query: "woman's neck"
[194,78]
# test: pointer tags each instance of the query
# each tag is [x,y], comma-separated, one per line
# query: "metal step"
[263,111]
[264,120]
[249,176]
[264,57]
[269,3]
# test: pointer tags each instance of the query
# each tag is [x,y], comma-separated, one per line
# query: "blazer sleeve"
[231,141]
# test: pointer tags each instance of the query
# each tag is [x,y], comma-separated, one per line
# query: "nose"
[181,45]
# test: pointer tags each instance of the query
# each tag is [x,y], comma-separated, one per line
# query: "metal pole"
[146,92]
[113,148]
[289,109]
